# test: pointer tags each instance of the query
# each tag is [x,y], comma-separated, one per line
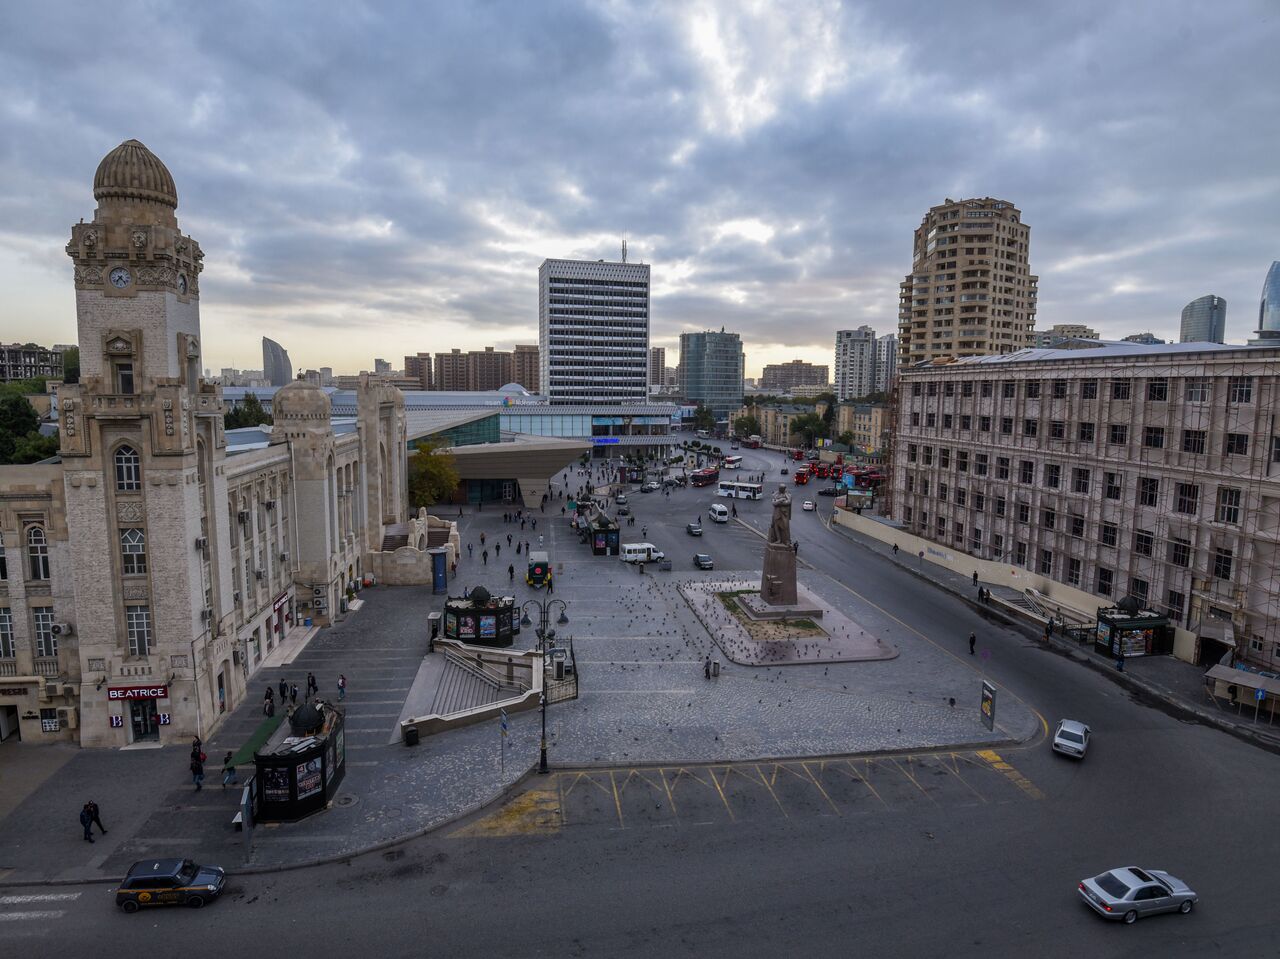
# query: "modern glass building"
[710,371]
[1269,309]
[1204,320]
[276,368]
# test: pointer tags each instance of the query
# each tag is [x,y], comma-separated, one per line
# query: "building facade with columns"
[151,567]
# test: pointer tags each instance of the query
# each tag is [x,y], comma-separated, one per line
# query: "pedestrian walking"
[706,668]
[86,820]
[485,557]
[551,585]
[497,550]
[229,772]
[534,521]
[482,543]
[973,642]
[518,549]
[895,549]
[468,550]
[293,694]
[197,749]
[312,685]
[522,522]
[268,703]
[197,773]
[1120,661]
[539,541]
[508,539]
[96,815]
[795,548]
[342,687]
[975,577]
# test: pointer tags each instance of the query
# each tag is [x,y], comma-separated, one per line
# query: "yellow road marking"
[765,783]
[617,803]
[954,769]
[866,782]
[814,780]
[914,782]
[536,812]
[1011,774]
[727,807]
[670,798]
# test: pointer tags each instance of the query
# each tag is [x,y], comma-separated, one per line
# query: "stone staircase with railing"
[466,685]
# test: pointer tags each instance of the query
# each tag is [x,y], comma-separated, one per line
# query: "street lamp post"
[544,632]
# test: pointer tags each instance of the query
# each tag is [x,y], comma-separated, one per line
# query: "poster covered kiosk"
[1130,629]
[299,768]
[479,619]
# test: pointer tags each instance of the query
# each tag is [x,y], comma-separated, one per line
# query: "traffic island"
[751,632]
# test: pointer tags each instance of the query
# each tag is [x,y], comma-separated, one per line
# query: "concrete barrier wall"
[1047,592]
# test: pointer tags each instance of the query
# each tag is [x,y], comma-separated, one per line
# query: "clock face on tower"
[119,277]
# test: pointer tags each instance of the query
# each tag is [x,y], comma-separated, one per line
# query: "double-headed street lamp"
[544,633]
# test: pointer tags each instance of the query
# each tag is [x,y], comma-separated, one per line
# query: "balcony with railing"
[47,666]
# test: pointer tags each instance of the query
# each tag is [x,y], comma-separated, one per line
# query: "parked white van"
[718,512]
[640,553]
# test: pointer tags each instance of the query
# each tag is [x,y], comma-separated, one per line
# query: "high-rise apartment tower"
[710,371]
[1204,320]
[970,291]
[855,363]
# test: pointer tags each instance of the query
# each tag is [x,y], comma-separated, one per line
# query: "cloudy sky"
[382,178]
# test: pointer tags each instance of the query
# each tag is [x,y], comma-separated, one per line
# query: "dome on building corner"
[133,172]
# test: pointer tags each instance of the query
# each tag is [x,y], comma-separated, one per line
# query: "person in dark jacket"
[197,773]
[86,820]
[96,815]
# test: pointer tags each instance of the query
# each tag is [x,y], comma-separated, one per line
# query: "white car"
[809,506]
[1071,738]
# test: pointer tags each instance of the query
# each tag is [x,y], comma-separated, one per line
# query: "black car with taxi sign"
[169,882]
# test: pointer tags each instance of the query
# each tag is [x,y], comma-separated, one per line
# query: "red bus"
[704,477]
[800,477]
[751,443]
[822,471]
[797,454]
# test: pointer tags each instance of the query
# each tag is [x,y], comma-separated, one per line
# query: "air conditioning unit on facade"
[50,690]
[319,592]
[69,718]
[206,614]
[270,504]
[284,557]
[202,543]
[320,604]
[61,629]
[259,573]
[243,515]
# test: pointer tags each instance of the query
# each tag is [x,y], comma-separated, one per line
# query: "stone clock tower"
[143,451]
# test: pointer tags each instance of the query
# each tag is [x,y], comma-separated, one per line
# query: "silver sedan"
[1071,738]
[1129,892]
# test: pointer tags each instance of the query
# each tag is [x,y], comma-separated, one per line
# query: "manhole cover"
[345,801]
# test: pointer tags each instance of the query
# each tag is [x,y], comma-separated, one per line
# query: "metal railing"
[491,673]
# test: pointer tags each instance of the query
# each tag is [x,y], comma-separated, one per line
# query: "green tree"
[809,427]
[846,438]
[248,413]
[703,418]
[71,365]
[34,447]
[746,426]
[18,420]
[432,476]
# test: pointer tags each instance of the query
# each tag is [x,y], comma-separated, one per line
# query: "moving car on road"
[539,572]
[169,882]
[650,487]
[621,499]
[624,510]
[1129,892]
[703,561]
[1071,738]
[830,491]
[694,529]
[808,506]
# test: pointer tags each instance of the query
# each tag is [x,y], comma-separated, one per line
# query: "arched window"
[133,552]
[128,470]
[38,552]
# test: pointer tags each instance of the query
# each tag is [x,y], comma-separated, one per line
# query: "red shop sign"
[137,692]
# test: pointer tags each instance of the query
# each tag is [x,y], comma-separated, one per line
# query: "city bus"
[704,477]
[735,490]
[800,476]
[733,462]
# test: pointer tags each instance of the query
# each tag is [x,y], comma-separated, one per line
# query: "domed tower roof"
[133,172]
[301,402]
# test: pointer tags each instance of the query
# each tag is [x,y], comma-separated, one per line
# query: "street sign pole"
[502,742]
[1258,696]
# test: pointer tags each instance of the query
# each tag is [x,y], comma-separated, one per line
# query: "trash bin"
[559,669]
[307,621]
[411,736]
[715,667]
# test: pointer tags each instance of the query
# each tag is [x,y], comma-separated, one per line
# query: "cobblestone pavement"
[640,652]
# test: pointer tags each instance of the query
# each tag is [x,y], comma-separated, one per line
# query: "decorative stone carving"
[129,511]
[157,276]
[134,591]
[88,275]
[89,238]
[139,239]
[118,344]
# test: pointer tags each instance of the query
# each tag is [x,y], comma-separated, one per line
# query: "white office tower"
[593,329]
[886,362]
[855,363]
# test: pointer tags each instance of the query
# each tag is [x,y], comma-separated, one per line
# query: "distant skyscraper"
[657,364]
[276,368]
[970,291]
[855,363]
[1204,320]
[886,362]
[524,367]
[710,370]
[593,330]
[1269,308]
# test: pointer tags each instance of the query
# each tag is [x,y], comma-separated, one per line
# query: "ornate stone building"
[153,566]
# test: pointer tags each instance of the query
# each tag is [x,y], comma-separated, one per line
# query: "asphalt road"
[896,872]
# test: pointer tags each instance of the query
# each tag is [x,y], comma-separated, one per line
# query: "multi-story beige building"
[1151,471]
[868,422]
[147,572]
[784,378]
[477,370]
[775,421]
[1056,334]
[27,362]
[526,367]
[970,291]
[419,367]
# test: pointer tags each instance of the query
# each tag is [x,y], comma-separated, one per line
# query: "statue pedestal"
[778,584]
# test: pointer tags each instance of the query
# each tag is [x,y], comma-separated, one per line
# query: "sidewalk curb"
[1174,705]
[308,863]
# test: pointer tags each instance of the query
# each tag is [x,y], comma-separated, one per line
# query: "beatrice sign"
[138,692]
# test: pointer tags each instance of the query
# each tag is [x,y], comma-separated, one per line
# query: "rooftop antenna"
[624,248]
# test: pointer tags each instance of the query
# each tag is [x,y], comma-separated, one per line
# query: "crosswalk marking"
[39,914]
[38,897]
